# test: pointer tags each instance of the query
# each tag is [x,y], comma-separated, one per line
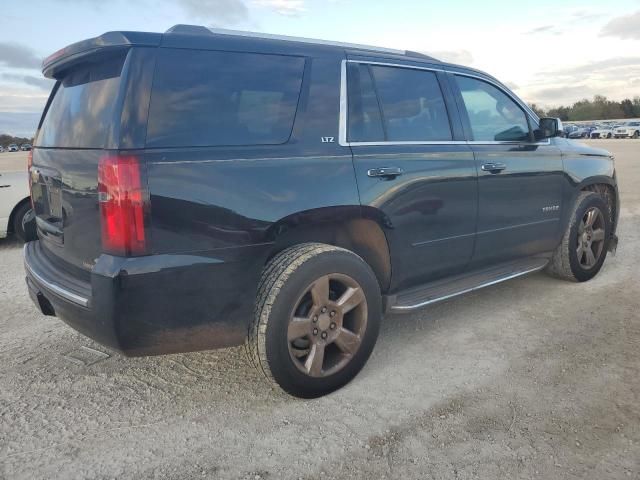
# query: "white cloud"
[216,12]
[283,7]
[18,56]
[625,27]
[460,56]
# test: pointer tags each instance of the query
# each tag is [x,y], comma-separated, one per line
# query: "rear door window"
[210,98]
[82,110]
[493,115]
[395,104]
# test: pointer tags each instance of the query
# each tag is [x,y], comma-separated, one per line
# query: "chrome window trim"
[343,120]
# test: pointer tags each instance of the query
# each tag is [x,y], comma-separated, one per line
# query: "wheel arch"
[605,187]
[355,228]
[13,213]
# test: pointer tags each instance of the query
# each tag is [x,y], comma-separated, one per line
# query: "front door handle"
[386,172]
[493,167]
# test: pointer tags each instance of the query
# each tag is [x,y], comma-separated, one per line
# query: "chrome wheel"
[327,325]
[591,238]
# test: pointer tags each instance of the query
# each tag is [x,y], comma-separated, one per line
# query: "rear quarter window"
[210,98]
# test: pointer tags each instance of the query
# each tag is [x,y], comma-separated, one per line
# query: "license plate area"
[46,192]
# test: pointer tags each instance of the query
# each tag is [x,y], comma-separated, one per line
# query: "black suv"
[201,189]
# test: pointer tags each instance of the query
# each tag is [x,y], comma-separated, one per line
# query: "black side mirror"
[549,128]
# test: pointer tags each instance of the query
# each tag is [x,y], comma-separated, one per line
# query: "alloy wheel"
[327,325]
[591,238]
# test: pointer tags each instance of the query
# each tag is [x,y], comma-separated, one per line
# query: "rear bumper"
[152,305]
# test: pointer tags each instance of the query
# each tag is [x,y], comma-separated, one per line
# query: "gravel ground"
[534,378]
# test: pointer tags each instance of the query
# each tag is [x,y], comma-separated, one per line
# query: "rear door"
[520,180]
[413,167]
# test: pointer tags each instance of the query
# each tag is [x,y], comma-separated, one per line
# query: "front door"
[413,168]
[519,180]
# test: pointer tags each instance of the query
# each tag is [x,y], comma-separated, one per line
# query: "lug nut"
[324,309]
[315,318]
[315,331]
[324,335]
[332,314]
[332,326]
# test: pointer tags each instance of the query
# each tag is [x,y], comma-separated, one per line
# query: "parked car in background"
[602,131]
[284,194]
[13,148]
[14,202]
[628,130]
[579,132]
[1,149]
[25,147]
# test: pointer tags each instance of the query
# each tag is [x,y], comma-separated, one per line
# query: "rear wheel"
[317,319]
[18,215]
[584,245]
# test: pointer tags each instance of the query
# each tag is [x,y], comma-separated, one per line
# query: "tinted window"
[365,122]
[492,114]
[81,112]
[408,107]
[413,108]
[205,98]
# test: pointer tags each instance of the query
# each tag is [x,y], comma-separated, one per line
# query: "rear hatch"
[81,115]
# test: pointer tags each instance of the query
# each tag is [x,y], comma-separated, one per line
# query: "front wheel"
[317,319]
[585,242]
[636,134]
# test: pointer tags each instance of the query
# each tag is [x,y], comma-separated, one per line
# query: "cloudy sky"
[550,52]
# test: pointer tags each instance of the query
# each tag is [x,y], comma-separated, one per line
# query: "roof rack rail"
[201,30]
[411,53]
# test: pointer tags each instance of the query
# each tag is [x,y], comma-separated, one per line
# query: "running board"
[440,290]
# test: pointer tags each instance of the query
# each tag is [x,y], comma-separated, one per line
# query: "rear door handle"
[493,167]
[386,172]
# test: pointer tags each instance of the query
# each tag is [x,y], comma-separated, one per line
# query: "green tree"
[538,110]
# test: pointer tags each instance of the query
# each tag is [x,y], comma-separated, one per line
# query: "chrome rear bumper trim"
[57,289]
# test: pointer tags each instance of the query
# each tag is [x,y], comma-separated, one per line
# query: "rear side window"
[365,122]
[493,115]
[409,105]
[81,111]
[207,98]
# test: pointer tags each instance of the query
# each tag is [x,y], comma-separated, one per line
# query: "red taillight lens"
[123,204]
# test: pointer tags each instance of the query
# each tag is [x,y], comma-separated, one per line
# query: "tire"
[636,134]
[567,263]
[287,289]
[608,135]
[18,214]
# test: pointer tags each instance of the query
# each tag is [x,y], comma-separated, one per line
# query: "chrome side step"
[440,290]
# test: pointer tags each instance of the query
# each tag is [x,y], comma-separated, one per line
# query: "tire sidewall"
[580,273]
[284,371]
[18,216]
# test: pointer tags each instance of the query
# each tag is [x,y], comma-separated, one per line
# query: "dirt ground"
[13,161]
[534,378]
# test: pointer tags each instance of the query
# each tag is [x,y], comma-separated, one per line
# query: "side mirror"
[549,128]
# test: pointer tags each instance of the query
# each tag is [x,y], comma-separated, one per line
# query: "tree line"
[600,108]
[6,140]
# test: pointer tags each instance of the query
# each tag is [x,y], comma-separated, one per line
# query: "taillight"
[29,164]
[123,199]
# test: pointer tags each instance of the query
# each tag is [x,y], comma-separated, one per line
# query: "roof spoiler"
[75,52]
